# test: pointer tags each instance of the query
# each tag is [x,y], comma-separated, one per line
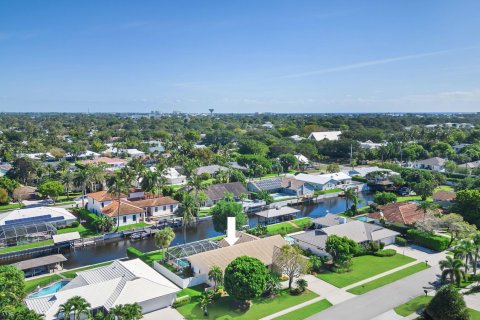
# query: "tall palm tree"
[350,195]
[68,180]
[465,250]
[197,184]
[189,208]
[425,206]
[65,309]
[132,311]
[150,182]
[117,186]
[452,268]
[138,167]
[82,179]
[216,275]
[78,305]
[476,253]
[164,237]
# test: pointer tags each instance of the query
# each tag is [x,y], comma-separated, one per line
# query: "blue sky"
[240,56]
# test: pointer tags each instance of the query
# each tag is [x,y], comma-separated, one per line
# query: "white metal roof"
[322,178]
[57,238]
[35,212]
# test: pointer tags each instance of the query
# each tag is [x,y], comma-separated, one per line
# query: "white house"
[111,163]
[325,181]
[434,164]
[122,282]
[173,177]
[134,208]
[302,159]
[135,153]
[363,171]
[54,215]
[322,135]
[371,145]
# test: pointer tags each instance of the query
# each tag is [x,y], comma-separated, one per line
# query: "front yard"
[222,309]
[380,282]
[420,302]
[364,267]
[306,311]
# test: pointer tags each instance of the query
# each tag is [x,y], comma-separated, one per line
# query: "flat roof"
[57,238]
[277,212]
[38,262]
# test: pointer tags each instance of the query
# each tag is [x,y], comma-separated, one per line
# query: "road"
[381,300]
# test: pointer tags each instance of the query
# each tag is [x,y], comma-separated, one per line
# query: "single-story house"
[211,169]
[135,153]
[363,171]
[25,193]
[106,287]
[401,212]
[173,177]
[216,192]
[285,185]
[296,138]
[325,135]
[460,146]
[261,249]
[54,215]
[111,163]
[236,166]
[329,220]
[434,164]
[444,198]
[4,168]
[470,165]
[371,145]
[325,181]
[360,232]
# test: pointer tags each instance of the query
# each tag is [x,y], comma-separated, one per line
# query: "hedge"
[430,241]
[403,229]
[181,301]
[401,241]
[385,253]
[134,253]
[359,179]
[90,217]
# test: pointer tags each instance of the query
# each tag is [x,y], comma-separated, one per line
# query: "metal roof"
[38,262]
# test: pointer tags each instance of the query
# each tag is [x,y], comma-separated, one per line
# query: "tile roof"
[443,195]
[330,220]
[435,161]
[154,202]
[126,208]
[104,195]
[404,213]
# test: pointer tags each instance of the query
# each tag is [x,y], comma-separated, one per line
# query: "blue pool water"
[364,219]
[49,290]
[182,263]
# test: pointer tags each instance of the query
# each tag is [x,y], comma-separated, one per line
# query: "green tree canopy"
[224,209]
[341,249]
[12,286]
[51,189]
[467,204]
[245,278]
[447,304]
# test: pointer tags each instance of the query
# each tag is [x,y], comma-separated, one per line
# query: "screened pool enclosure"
[14,235]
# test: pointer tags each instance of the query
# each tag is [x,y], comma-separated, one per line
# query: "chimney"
[231,232]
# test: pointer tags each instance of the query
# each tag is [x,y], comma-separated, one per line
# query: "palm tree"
[104,223]
[117,186]
[138,168]
[164,237]
[476,253]
[65,309]
[452,268]
[189,208]
[216,275]
[302,284]
[205,300]
[80,307]
[350,195]
[82,179]
[132,311]
[68,180]
[150,182]
[197,184]
[465,250]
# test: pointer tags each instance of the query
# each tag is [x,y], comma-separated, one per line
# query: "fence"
[182,283]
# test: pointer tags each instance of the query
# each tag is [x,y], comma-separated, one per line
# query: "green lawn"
[287,226]
[70,274]
[205,212]
[412,198]
[10,206]
[412,306]
[322,192]
[133,226]
[260,308]
[31,285]
[380,282]
[151,257]
[307,311]
[474,314]
[444,188]
[192,292]
[27,246]
[364,267]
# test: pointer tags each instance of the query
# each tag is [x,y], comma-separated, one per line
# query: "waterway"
[116,249]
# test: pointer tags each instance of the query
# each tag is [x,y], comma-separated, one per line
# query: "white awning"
[65,237]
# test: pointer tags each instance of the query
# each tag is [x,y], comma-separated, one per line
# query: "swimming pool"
[364,219]
[50,289]
[182,263]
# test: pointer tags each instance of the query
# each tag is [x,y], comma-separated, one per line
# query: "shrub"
[447,304]
[360,179]
[75,224]
[400,241]
[90,217]
[430,241]
[187,272]
[383,198]
[382,245]
[372,247]
[385,253]
[4,196]
[181,301]
[134,253]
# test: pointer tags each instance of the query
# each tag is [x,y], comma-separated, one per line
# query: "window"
[124,219]
[164,208]
[103,204]
[134,217]
[171,208]
[156,209]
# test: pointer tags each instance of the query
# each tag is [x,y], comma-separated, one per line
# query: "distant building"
[460,146]
[371,145]
[211,169]
[284,185]
[325,135]
[297,138]
[216,192]
[325,181]
[173,177]
[56,216]
[111,163]
[434,164]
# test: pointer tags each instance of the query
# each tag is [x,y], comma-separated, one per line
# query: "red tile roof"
[104,195]
[154,202]
[443,195]
[126,208]
[404,213]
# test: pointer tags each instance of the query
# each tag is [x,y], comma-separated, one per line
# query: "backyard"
[289,226]
[27,246]
[222,309]
[364,267]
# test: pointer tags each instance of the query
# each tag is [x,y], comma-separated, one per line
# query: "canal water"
[116,249]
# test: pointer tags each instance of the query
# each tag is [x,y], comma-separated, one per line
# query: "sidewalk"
[298,306]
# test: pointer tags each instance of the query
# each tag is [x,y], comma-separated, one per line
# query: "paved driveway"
[379,301]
